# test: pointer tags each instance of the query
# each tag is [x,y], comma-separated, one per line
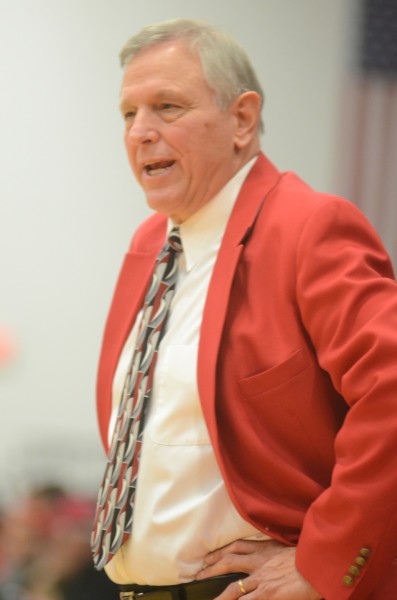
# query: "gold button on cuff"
[348,581]
[360,561]
[355,571]
[365,552]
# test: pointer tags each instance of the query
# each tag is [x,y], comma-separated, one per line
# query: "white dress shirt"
[182,508]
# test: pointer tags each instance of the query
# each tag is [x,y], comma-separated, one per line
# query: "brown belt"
[206,589]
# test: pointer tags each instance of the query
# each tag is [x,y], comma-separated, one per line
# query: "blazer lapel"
[260,181]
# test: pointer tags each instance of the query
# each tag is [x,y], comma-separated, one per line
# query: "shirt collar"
[205,228]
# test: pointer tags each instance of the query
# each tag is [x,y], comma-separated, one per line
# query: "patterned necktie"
[113,519]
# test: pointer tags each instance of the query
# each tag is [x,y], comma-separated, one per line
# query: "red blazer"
[297,374]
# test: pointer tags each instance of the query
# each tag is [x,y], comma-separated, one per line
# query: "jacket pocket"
[275,376]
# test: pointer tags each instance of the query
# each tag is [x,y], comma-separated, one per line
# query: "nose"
[142,129]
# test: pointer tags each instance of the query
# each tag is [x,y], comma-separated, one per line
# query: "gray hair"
[226,66]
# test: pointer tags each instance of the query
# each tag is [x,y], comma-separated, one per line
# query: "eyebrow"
[158,96]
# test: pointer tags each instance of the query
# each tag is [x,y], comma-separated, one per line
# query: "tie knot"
[174,239]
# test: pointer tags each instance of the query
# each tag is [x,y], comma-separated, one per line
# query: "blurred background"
[69,204]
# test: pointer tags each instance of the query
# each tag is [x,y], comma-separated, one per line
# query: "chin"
[161,204]
[160,207]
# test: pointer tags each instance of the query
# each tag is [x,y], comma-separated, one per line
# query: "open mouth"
[158,168]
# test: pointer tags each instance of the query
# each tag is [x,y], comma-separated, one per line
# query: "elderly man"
[247,382]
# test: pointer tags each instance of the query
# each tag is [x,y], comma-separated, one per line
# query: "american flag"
[367,171]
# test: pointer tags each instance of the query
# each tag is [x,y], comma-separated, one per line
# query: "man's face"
[180,144]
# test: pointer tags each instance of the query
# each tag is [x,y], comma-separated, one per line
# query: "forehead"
[166,64]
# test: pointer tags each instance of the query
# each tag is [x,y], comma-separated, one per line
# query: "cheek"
[217,136]
[199,145]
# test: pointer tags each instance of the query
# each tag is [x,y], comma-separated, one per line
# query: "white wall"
[68,203]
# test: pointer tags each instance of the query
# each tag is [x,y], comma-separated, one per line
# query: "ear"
[246,109]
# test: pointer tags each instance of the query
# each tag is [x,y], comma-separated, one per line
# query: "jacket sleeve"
[347,299]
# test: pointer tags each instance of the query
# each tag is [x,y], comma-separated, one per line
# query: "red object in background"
[7,346]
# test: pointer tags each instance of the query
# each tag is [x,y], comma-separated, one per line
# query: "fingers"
[229,563]
[237,547]
[286,586]
[243,548]
[242,556]
[270,567]
[237,589]
[242,587]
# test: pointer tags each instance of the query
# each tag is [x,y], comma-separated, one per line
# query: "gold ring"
[241,586]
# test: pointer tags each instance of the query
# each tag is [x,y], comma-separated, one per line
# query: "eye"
[169,111]
[167,106]
[129,114]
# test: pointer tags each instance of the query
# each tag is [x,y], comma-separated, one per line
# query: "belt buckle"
[127,595]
